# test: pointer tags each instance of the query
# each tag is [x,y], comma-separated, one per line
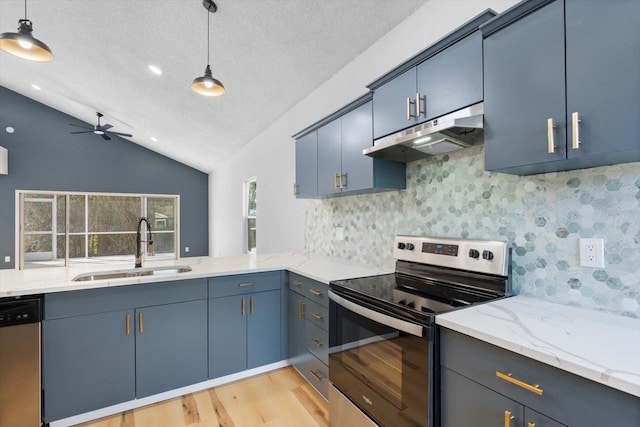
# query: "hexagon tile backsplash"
[543,216]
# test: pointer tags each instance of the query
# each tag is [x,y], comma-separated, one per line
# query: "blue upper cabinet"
[306,185]
[341,167]
[561,86]
[445,77]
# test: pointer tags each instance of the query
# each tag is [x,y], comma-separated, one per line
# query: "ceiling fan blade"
[121,134]
[105,136]
[82,131]
[78,126]
[106,127]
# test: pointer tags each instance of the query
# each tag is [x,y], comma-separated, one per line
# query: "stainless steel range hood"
[460,129]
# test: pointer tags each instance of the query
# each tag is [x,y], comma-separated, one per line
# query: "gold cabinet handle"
[419,111]
[295,189]
[507,418]
[551,145]
[128,324]
[317,342]
[300,309]
[317,316]
[316,293]
[296,282]
[251,305]
[244,285]
[336,181]
[575,126]
[316,375]
[242,306]
[531,424]
[343,180]
[140,324]
[533,388]
[409,104]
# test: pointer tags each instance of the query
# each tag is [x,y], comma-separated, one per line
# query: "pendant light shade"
[207,85]
[23,44]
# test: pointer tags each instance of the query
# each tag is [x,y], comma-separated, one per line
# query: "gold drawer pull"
[301,309]
[242,285]
[533,388]
[507,418]
[316,293]
[140,324]
[316,375]
[317,316]
[317,342]
[296,282]
[128,324]
[531,424]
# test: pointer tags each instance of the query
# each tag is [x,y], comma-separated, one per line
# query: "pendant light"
[207,85]
[23,44]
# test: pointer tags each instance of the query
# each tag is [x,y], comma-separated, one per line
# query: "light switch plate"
[339,233]
[592,253]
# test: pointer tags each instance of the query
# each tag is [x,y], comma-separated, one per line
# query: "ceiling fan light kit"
[207,85]
[23,44]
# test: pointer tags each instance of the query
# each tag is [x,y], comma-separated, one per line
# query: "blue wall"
[44,156]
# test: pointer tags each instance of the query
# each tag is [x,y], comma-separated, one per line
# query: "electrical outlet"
[7,259]
[592,253]
[339,231]
[186,249]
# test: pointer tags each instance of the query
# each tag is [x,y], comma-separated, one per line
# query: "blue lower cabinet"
[88,363]
[244,332]
[171,346]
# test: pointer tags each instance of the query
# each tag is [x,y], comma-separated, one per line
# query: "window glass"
[113,213]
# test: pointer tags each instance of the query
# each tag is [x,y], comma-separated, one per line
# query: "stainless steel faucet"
[139,241]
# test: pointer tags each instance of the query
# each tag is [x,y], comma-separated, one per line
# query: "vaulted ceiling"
[269,54]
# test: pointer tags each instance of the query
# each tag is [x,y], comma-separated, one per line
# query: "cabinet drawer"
[316,341]
[309,288]
[239,284]
[103,300]
[316,373]
[317,314]
[565,397]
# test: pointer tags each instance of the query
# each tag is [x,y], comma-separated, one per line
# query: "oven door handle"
[392,322]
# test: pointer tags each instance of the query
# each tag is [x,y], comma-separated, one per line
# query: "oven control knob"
[410,246]
[401,245]
[488,255]
[473,253]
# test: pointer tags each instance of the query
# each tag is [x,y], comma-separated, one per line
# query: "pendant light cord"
[25,9]
[208,23]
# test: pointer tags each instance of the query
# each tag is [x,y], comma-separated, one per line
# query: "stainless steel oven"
[383,341]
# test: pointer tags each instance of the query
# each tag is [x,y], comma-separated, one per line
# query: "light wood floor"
[280,398]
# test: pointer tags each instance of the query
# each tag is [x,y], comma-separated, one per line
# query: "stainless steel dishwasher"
[20,389]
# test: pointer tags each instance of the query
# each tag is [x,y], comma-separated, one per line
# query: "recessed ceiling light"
[36,87]
[154,139]
[9,129]
[155,70]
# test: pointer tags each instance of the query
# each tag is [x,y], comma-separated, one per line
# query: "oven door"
[382,363]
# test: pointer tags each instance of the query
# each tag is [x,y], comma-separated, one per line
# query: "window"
[63,228]
[250,211]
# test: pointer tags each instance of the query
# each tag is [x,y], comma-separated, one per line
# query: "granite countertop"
[57,279]
[601,347]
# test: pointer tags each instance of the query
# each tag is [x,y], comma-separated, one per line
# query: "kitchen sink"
[134,272]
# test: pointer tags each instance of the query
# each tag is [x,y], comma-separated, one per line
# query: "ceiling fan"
[102,130]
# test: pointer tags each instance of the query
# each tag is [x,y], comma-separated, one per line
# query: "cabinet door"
[88,363]
[307,166]
[171,346]
[603,75]
[452,79]
[357,134]
[390,104]
[329,157]
[296,318]
[524,85]
[227,335]
[263,329]
[467,403]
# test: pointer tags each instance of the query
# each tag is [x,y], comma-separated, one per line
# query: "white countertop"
[601,347]
[56,279]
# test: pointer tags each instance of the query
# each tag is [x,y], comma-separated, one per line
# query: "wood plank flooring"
[281,398]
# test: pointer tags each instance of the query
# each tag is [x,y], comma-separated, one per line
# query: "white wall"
[271,155]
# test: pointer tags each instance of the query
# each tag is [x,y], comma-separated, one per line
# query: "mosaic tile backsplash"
[543,216]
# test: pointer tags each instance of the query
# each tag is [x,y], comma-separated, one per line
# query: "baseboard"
[137,403]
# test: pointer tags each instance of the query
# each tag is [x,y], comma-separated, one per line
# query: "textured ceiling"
[269,54]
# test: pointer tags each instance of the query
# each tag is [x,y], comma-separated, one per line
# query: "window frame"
[247,217]
[19,219]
